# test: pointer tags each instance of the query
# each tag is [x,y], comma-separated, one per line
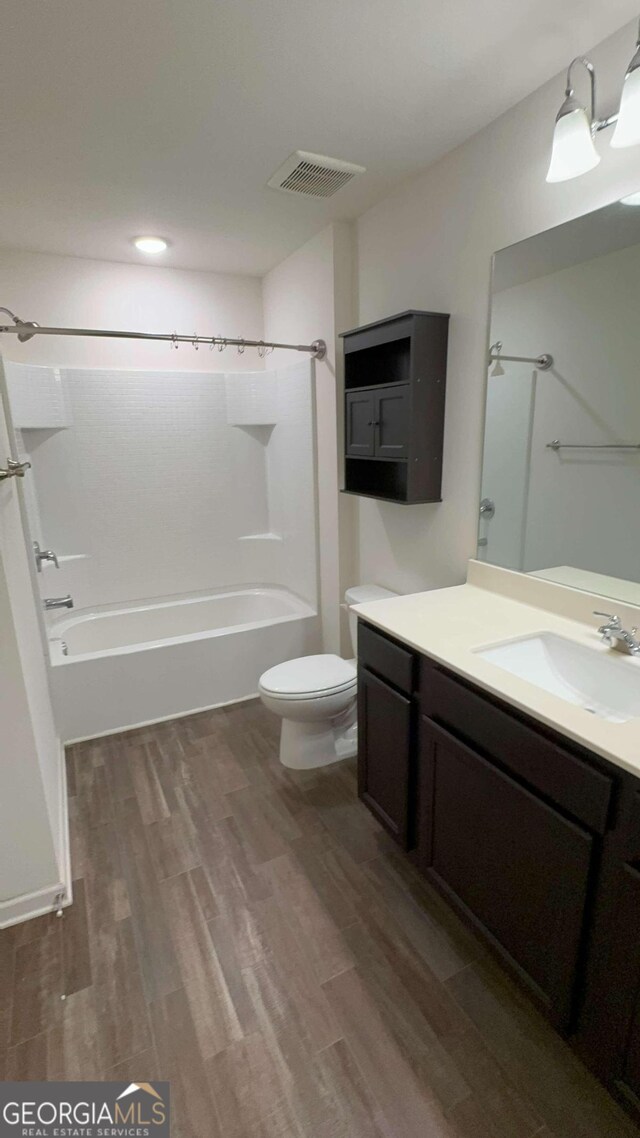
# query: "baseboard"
[163,719]
[59,894]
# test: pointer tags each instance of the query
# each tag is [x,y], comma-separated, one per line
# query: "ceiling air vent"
[313,174]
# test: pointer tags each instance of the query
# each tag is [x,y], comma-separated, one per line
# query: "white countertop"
[450,625]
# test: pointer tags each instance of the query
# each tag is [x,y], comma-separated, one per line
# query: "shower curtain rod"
[26,329]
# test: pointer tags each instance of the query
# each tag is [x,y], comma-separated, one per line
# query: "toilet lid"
[308,675]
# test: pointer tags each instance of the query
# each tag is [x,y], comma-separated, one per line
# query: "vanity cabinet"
[533,840]
[395,376]
[384,725]
[609,1028]
[386,736]
[510,863]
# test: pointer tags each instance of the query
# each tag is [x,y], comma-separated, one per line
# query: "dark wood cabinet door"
[609,1028]
[384,753]
[514,866]
[391,422]
[359,424]
[629,1073]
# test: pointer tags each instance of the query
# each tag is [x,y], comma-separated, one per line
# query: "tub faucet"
[614,634]
[58,602]
[43,555]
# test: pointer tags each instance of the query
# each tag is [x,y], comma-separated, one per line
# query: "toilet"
[315,696]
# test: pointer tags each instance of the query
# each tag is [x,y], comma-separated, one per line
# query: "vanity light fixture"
[152,245]
[574,152]
[627,132]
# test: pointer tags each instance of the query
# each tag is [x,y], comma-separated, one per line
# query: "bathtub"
[118,666]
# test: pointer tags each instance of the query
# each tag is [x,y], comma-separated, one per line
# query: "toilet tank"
[359,595]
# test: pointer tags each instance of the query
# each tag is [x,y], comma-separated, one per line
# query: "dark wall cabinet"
[395,376]
[534,841]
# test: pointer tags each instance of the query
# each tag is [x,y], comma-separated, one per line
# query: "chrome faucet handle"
[614,620]
[44,555]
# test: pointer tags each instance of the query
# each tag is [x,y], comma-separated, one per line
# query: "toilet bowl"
[315,696]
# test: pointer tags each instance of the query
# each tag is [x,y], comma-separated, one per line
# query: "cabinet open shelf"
[382,363]
[377,478]
[395,373]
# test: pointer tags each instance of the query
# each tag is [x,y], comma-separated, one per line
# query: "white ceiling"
[122,117]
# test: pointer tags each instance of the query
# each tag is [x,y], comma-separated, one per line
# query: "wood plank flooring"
[250,934]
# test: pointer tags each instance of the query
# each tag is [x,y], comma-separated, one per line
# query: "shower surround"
[172,485]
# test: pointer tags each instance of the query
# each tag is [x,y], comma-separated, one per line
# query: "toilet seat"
[309,675]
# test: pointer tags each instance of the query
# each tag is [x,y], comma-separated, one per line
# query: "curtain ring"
[262,349]
[241,347]
[174,340]
[195,343]
[222,343]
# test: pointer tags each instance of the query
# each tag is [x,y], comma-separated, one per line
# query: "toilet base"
[306,746]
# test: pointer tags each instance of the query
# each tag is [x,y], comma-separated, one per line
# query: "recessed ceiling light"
[151,245]
[631,199]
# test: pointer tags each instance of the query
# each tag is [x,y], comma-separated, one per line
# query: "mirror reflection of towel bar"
[556,445]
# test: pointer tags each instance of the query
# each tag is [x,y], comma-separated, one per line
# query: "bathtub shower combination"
[189,580]
[122,667]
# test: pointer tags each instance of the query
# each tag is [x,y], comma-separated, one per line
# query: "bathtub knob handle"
[14,469]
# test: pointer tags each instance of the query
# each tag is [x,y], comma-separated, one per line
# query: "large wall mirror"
[561,471]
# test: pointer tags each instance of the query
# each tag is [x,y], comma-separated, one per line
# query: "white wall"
[429,246]
[309,296]
[78,292]
[149,482]
[580,503]
[154,489]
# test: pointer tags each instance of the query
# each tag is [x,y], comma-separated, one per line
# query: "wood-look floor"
[250,934]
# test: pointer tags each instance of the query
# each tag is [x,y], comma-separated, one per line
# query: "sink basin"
[605,685]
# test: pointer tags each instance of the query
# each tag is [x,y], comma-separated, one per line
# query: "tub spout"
[58,602]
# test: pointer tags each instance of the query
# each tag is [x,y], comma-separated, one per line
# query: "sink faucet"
[58,602]
[614,634]
[43,555]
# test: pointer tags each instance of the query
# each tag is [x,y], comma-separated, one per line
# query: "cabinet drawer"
[387,659]
[556,772]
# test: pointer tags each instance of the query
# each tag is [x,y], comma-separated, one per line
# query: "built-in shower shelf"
[261,537]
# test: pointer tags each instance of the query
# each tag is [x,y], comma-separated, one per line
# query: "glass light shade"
[151,245]
[573,150]
[627,132]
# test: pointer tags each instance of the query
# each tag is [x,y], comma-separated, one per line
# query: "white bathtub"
[118,667]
